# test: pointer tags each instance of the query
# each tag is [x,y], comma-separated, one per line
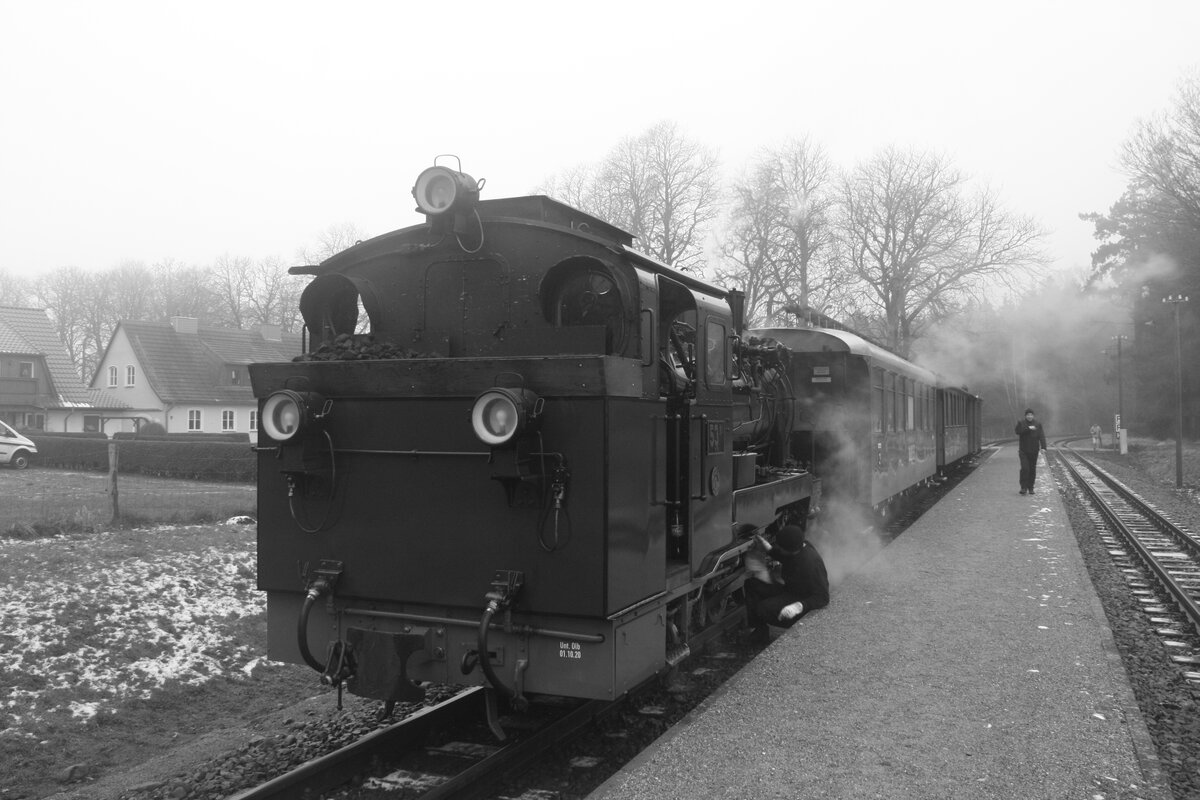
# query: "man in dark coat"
[1031,441]
[802,584]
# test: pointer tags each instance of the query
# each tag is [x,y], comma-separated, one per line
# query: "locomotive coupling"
[322,582]
[325,578]
[506,585]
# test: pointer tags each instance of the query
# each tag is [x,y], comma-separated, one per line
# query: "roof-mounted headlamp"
[441,190]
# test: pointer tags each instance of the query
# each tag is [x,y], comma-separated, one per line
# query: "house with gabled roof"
[186,377]
[39,387]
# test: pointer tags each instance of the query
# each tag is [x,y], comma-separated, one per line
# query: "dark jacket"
[804,577]
[1032,437]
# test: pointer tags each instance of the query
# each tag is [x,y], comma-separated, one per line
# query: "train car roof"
[530,209]
[816,340]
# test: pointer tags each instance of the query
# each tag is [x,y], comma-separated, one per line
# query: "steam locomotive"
[519,452]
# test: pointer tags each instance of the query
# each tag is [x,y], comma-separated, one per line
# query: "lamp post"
[1175,300]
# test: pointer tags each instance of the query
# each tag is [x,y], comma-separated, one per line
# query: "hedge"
[159,456]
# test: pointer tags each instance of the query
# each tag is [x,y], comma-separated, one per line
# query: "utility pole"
[1175,300]
[1122,440]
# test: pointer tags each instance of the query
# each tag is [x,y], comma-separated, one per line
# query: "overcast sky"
[144,131]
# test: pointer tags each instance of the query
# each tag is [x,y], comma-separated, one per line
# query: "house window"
[253,420]
[130,375]
[227,420]
[112,376]
[235,376]
[194,423]
[91,423]
[25,369]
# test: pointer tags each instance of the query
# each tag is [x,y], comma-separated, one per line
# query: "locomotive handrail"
[703,442]
[527,630]
[674,454]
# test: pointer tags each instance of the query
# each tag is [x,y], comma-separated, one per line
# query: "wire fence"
[45,498]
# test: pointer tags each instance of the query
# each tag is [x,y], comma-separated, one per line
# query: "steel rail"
[1186,602]
[334,769]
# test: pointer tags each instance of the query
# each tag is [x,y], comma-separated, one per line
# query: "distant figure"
[1032,441]
[802,585]
[1096,441]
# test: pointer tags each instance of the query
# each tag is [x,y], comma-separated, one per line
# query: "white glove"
[791,612]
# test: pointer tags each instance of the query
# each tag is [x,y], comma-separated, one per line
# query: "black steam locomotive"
[519,452]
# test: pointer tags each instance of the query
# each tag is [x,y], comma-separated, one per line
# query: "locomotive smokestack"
[737,307]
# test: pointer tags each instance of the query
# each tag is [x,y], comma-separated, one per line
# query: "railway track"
[413,758]
[450,751]
[1160,559]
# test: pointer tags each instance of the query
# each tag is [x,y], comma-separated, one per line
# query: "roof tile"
[188,367]
[29,331]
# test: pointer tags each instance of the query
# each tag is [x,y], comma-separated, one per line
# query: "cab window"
[715,353]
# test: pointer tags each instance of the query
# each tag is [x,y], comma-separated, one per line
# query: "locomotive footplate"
[382,659]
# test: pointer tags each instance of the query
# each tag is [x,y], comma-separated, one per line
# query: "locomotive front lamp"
[501,415]
[441,190]
[287,413]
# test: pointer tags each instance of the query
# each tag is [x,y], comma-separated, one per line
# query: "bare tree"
[273,296]
[184,291]
[1163,156]
[780,244]
[131,292]
[14,291]
[233,283]
[685,197]
[576,187]
[623,192]
[330,242]
[920,246]
[661,187]
[64,293]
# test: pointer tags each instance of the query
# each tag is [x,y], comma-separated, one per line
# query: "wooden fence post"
[112,480]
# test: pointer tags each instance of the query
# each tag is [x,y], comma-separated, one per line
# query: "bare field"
[122,645]
[68,500]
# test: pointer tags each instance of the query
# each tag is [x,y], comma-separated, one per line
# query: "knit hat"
[790,540]
[1029,411]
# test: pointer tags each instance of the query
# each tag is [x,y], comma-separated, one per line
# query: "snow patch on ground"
[105,630]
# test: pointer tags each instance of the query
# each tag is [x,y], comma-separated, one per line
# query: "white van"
[15,449]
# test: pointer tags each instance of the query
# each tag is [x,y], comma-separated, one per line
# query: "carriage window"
[889,402]
[910,418]
[715,353]
[877,400]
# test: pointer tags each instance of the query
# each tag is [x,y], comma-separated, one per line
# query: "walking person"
[1095,437]
[1031,441]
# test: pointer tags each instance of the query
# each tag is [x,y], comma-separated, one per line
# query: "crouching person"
[800,585]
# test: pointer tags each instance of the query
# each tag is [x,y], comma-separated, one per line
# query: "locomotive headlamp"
[439,190]
[500,415]
[286,413]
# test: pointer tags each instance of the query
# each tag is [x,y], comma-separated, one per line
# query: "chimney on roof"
[184,324]
[271,333]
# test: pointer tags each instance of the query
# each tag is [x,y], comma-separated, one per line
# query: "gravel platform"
[970,659]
